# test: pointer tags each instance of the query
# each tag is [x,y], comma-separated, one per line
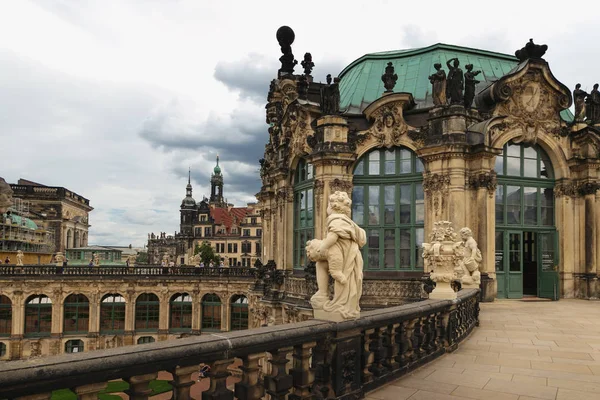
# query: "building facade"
[414,140]
[234,233]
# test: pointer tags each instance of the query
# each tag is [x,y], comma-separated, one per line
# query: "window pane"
[360,168]
[389,242]
[405,249]
[499,251]
[547,206]
[529,152]
[358,204]
[373,251]
[499,166]
[513,166]
[530,168]
[390,162]
[374,163]
[530,202]
[546,169]
[500,204]
[419,165]
[405,166]
[513,204]
[513,150]
[419,204]
[419,236]
[374,205]
[390,204]
[405,203]
[514,252]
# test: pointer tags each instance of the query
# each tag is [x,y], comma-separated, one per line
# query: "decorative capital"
[482,180]
[338,185]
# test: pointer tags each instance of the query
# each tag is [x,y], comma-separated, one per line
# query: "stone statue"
[165,260]
[285,36]
[389,78]
[196,260]
[438,81]
[470,83]
[19,258]
[531,51]
[307,64]
[579,100]
[454,87]
[59,259]
[330,97]
[440,256]
[6,194]
[469,265]
[96,260]
[593,106]
[338,255]
[132,259]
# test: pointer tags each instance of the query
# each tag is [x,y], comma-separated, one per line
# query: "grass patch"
[157,386]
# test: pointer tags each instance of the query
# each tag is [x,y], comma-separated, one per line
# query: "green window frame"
[239,313]
[147,312]
[304,217]
[146,339]
[74,346]
[180,312]
[388,203]
[211,312]
[76,314]
[525,192]
[5,316]
[38,315]
[112,313]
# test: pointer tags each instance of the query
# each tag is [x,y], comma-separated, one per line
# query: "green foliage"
[157,386]
[207,254]
[142,257]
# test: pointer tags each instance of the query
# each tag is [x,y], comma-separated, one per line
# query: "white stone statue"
[338,255]
[196,260]
[441,256]
[96,260]
[165,260]
[19,258]
[132,259]
[59,259]
[471,258]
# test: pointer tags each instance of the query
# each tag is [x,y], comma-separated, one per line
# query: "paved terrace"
[523,350]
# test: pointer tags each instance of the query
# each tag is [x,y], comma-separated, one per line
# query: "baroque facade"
[234,233]
[413,140]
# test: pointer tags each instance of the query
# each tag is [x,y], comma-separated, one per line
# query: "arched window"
[146,339]
[77,244]
[211,312]
[181,312]
[388,202]
[38,315]
[303,211]
[112,313]
[147,309]
[5,316]
[69,239]
[239,313]
[74,346]
[77,314]
[2,349]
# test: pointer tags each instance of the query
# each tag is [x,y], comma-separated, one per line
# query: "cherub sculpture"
[20,258]
[338,255]
[471,259]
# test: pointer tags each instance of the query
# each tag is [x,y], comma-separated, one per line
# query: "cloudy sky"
[115,99]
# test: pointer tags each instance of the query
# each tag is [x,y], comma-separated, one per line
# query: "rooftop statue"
[531,51]
[579,100]
[338,255]
[592,103]
[470,83]
[330,97]
[285,37]
[454,87]
[20,258]
[6,194]
[438,81]
[307,64]
[389,78]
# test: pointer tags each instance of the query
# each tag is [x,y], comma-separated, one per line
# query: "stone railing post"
[367,356]
[302,373]
[139,386]
[182,381]
[391,346]
[250,388]
[218,381]
[279,383]
[90,392]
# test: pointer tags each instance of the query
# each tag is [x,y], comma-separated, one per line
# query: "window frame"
[182,308]
[209,302]
[303,189]
[72,344]
[237,321]
[78,308]
[46,308]
[114,308]
[5,316]
[144,310]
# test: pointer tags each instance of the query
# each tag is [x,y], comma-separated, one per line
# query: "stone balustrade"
[328,360]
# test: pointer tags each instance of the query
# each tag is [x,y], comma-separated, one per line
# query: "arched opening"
[304,223]
[112,313]
[388,203]
[69,243]
[147,312]
[5,316]
[76,314]
[74,346]
[77,243]
[146,339]
[211,312]
[180,312]
[84,240]
[239,313]
[526,240]
[38,315]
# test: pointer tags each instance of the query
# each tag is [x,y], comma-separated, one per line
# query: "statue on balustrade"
[454,87]
[593,106]
[338,255]
[438,82]
[59,258]
[6,195]
[470,83]
[579,96]
[19,258]
[471,258]
[96,259]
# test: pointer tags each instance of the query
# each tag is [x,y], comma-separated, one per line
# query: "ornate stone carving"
[338,185]
[355,139]
[579,97]
[531,51]
[338,255]
[468,268]
[454,86]
[389,125]
[593,106]
[35,349]
[587,188]
[470,83]
[285,36]
[487,180]
[389,78]
[391,289]
[438,83]
[419,136]
[330,97]
[441,257]
[565,188]
[318,191]
[436,188]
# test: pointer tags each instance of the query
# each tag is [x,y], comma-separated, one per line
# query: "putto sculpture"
[96,259]
[338,255]
[438,83]
[468,271]
[19,258]
[307,64]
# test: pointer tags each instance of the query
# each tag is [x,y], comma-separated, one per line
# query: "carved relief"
[436,188]
[388,126]
[35,349]
[565,188]
[318,191]
[488,181]
[341,186]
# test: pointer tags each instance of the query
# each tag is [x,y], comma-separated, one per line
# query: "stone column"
[196,312]
[590,239]
[163,315]
[564,205]
[18,325]
[129,317]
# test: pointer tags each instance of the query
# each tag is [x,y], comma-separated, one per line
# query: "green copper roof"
[22,221]
[361,81]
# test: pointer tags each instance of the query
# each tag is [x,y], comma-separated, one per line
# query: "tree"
[207,254]
[142,257]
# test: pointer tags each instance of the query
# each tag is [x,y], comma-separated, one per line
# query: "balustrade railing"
[328,360]
[112,270]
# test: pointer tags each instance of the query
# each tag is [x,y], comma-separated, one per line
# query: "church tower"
[189,211]
[216,187]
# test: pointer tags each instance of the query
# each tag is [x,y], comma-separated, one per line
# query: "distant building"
[233,232]
[83,255]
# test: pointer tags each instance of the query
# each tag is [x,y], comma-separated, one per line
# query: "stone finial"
[531,51]
[307,64]
[285,36]
[389,78]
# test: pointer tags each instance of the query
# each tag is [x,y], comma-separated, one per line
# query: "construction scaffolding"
[19,232]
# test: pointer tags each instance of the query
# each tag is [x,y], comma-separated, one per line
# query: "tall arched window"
[77,244]
[77,314]
[69,239]
[38,315]
[388,202]
[147,310]
[211,312]
[181,312]
[239,313]
[304,222]
[112,313]
[5,316]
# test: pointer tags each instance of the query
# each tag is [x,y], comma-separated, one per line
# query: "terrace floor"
[522,350]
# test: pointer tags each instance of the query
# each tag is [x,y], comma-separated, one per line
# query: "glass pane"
[373,251]
[405,154]
[419,165]
[360,168]
[547,249]
[358,204]
[389,243]
[373,259]
[547,206]
[405,167]
[513,150]
[390,204]
[309,171]
[500,204]
[390,162]
[513,166]
[419,204]
[373,239]
[405,249]
[419,235]
[514,252]
[530,196]
[309,207]
[546,169]
[374,163]
[405,203]
[374,205]
[529,152]
[513,204]
[499,166]
[530,168]
[499,251]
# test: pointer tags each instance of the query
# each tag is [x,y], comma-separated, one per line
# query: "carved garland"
[436,188]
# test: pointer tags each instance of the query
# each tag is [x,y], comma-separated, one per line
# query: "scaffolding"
[19,232]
